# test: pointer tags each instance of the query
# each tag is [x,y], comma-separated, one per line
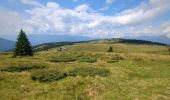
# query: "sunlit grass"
[139,72]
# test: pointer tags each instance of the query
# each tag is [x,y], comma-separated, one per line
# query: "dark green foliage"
[63,59]
[134,41]
[48,75]
[89,71]
[23,46]
[115,58]
[110,49]
[20,68]
[71,58]
[87,59]
[41,48]
[169,49]
[112,61]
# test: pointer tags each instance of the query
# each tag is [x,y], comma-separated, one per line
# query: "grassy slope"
[144,74]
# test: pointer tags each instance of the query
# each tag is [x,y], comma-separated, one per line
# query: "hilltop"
[10,44]
[87,71]
[107,41]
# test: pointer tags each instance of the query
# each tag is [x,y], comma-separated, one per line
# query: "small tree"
[23,46]
[110,49]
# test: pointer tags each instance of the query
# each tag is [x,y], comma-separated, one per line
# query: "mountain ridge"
[109,41]
[6,44]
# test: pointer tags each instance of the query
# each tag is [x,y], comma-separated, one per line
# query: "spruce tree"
[110,49]
[23,46]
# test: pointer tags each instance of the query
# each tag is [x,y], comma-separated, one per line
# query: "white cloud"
[52,5]
[10,22]
[166,29]
[31,2]
[144,12]
[109,1]
[82,20]
[82,8]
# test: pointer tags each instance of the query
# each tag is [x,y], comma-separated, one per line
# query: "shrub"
[89,71]
[48,75]
[87,59]
[110,49]
[20,68]
[63,59]
[112,61]
[115,58]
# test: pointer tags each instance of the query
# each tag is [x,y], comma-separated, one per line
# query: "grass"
[63,59]
[141,72]
[115,58]
[48,75]
[87,59]
[89,71]
[20,67]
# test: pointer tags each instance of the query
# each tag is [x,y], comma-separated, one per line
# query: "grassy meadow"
[86,71]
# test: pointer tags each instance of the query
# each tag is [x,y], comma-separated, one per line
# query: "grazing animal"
[61,49]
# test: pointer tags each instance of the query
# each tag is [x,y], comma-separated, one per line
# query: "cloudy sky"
[89,18]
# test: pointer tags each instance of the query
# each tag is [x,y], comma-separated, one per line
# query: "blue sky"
[88,18]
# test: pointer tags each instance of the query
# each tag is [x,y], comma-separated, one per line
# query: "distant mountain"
[159,39]
[36,39]
[135,41]
[6,44]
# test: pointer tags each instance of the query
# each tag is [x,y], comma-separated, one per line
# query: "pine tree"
[23,46]
[110,49]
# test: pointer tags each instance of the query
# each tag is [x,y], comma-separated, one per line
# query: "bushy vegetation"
[63,59]
[55,75]
[115,58]
[20,68]
[48,75]
[141,73]
[89,71]
[71,58]
[87,59]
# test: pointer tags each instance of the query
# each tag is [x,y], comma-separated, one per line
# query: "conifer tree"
[110,49]
[23,46]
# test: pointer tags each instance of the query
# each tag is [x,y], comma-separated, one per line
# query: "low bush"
[112,61]
[89,71]
[63,59]
[87,59]
[115,58]
[20,68]
[48,75]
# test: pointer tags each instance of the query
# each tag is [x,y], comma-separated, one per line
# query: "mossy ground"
[143,73]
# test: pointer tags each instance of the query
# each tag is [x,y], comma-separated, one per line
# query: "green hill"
[86,71]
[106,41]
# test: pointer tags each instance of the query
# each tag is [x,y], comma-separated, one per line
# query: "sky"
[88,18]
